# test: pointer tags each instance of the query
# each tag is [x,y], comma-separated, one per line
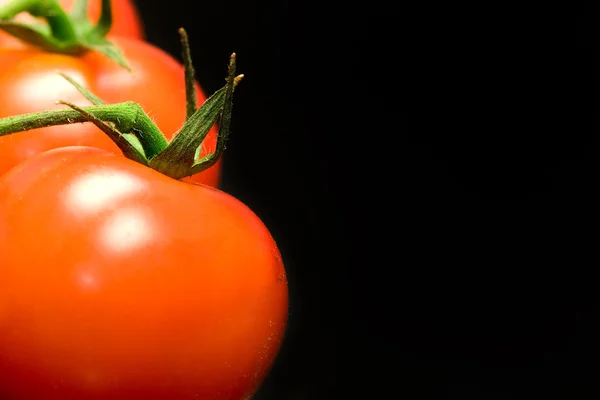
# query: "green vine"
[134,132]
[63,33]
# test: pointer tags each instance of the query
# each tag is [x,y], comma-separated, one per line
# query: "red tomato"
[117,282]
[126,20]
[30,83]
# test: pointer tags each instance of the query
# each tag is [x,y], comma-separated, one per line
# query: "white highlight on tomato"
[127,229]
[97,192]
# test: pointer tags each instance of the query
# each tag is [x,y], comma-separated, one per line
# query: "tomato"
[120,283]
[126,20]
[30,83]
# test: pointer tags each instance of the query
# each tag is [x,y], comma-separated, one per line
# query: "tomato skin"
[117,282]
[126,20]
[30,83]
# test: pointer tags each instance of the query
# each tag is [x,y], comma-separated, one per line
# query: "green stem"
[60,24]
[105,22]
[140,140]
[58,20]
[65,34]
[190,83]
[79,10]
[211,159]
[179,159]
[14,7]
[25,122]
[129,144]
[127,117]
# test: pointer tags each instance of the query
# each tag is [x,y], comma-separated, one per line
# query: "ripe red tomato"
[117,282]
[126,20]
[30,83]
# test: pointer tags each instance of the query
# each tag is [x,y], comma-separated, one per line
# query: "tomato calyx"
[63,32]
[134,132]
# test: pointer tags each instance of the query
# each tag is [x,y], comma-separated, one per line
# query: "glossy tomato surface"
[126,20]
[117,282]
[30,83]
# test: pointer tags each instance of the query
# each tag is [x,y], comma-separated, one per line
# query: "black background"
[445,255]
